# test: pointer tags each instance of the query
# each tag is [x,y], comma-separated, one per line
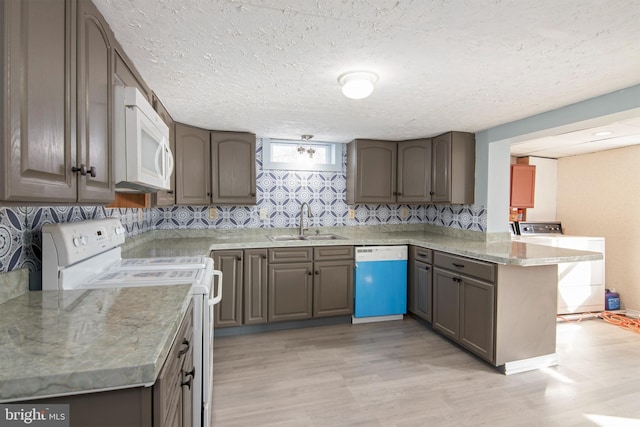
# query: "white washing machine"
[581,285]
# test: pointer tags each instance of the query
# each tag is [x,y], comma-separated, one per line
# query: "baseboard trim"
[530,364]
[634,314]
[371,319]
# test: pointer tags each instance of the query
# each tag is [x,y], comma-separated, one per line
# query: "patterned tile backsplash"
[279,196]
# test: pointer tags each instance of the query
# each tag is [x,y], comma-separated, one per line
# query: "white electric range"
[87,255]
[581,285]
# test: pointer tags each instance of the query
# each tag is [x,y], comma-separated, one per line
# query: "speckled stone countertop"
[68,342]
[504,251]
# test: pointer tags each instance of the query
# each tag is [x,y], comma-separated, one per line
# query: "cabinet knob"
[252,194]
[317,272]
[191,373]
[82,169]
[238,258]
[92,171]
[170,192]
[431,193]
[264,257]
[309,273]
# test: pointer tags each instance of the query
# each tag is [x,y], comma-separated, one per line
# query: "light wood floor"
[401,373]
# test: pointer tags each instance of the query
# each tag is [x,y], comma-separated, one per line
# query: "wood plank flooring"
[401,373]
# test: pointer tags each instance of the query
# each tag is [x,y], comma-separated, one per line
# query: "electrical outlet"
[213,213]
[352,213]
[404,213]
[263,213]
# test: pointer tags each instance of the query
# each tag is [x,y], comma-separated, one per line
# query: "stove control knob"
[119,230]
[76,241]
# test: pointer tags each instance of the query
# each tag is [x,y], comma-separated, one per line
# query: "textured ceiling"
[271,66]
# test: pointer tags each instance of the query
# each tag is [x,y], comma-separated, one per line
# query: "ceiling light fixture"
[358,84]
[603,133]
[301,150]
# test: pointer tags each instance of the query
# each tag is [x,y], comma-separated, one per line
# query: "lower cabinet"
[255,286]
[464,302]
[420,286]
[168,403]
[290,291]
[284,284]
[229,310]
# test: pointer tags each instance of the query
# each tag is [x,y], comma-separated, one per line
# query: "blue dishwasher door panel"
[381,288]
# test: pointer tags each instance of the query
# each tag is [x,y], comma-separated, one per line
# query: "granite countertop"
[506,251]
[69,342]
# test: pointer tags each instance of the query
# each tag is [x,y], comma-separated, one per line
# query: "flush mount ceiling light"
[603,133]
[358,84]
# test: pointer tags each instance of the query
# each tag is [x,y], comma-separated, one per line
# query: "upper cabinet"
[125,74]
[233,160]
[55,121]
[95,106]
[453,168]
[193,166]
[215,167]
[371,171]
[523,185]
[414,171]
[438,170]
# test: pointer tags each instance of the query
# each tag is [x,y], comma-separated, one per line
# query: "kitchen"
[21,224]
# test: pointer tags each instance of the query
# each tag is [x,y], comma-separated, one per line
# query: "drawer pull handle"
[422,254]
[184,351]
[186,383]
[458,265]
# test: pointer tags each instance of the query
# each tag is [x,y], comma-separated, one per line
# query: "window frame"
[334,151]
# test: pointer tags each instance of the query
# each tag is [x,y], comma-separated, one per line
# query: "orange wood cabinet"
[523,185]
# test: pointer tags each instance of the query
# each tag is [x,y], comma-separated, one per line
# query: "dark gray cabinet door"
[414,171]
[255,286]
[453,168]
[229,310]
[446,303]
[233,160]
[290,291]
[477,313]
[168,197]
[37,114]
[333,288]
[371,171]
[193,165]
[125,74]
[95,99]
[420,295]
[441,169]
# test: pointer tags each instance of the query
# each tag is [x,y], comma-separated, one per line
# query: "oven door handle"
[218,295]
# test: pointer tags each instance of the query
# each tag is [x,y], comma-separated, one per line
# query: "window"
[301,155]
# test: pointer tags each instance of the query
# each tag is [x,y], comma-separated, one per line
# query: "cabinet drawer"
[329,253]
[470,267]
[422,254]
[290,255]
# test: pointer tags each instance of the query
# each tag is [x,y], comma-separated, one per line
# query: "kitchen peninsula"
[523,289]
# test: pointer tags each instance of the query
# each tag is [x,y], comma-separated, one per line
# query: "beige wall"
[599,195]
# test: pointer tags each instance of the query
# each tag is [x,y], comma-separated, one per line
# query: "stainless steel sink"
[287,238]
[324,237]
[296,238]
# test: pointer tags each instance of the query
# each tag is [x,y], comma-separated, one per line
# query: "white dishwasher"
[380,283]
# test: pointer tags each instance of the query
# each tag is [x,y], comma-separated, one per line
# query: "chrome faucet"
[302,217]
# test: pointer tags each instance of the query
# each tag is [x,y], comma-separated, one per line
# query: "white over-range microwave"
[143,159]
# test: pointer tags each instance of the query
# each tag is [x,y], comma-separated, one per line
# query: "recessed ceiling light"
[603,133]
